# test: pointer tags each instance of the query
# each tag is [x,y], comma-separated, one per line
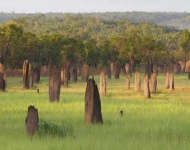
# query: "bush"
[50,129]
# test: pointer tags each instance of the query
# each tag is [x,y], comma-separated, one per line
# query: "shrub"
[46,128]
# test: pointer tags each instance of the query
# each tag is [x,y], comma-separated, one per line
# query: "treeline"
[78,26]
[75,41]
[179,20]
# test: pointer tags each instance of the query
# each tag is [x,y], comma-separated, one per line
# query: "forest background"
[165,31]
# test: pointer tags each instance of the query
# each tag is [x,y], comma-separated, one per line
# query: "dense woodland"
[95,39]
[179,20]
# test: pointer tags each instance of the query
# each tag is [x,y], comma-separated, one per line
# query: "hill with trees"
[76,39]
[179,20]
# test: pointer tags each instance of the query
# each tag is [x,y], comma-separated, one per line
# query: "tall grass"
[161,122]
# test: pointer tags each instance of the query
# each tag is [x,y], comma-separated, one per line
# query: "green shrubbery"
[46,128]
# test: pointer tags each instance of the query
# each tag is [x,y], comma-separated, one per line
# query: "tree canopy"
[80,39]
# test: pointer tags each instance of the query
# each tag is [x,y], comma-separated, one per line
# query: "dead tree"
[102,83]
[54,83]
[146,86]
[92,103]
[32,120]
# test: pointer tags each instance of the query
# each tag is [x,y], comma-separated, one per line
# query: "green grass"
[161,122]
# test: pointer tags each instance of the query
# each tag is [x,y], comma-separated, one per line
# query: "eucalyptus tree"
[91,52]
[107,55]
[11,43]
[184,45]
[31,48]
[90,57]
[151,51]
[71,54]
[32,51]
[137,46]
[119,44]
[128,46]
[52,46]
[170,53]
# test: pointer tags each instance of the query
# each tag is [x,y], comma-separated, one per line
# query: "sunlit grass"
[161,122]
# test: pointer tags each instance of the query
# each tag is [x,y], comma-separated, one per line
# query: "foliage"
[11,43]
[108,53]
[179,20]
[78,39]
[91,53]
[72,51]
[51,129]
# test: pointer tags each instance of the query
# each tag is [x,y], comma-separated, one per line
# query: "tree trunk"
[107,71]
[177,68]
[32,120]
[54,83]
[131,65]
[182,65]
[74,75]
[62,75]
[137,81]
[155,69]
[49,64]
[92,103]
[26,74]
[112,66]
[128,70]
[146,86]
[36,72]
[85,73]
[171,81]
[2,80]
[5,79]
[66,74]
[31,76]
[116,70]
[102,83]
[167,85]
[188,75]
[153,82]
[188,69]
[149,69]
[127,83]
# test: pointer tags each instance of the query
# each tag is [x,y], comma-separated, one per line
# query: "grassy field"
[162,122]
